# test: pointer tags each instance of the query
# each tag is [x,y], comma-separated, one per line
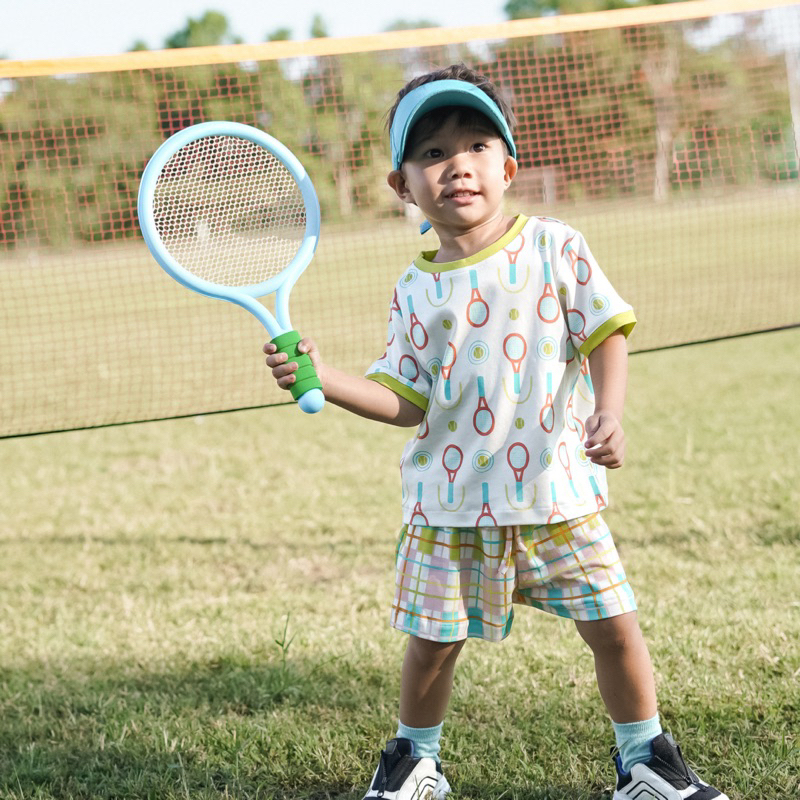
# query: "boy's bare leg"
[623,667]
[427,681]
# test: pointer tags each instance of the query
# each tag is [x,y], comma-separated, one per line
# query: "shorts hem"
[453,584]
[583,614]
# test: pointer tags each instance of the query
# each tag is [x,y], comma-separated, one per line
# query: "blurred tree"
[211,29]
[319,28]
[646,109]
[138,46]
[68,169]
[348,97]
[410,25]
[522,9]
[280,35]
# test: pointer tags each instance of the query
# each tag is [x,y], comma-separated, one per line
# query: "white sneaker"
[664,777]
[403,776]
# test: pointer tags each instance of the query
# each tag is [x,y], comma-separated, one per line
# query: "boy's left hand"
[605,444]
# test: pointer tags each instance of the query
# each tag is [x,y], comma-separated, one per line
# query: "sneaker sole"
[440,791]
[621,796]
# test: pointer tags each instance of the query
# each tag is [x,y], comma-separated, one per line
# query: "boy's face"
[456,176]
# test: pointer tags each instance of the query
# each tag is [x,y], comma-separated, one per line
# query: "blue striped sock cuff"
[426,740]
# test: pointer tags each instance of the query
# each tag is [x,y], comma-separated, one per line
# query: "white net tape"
[228,211]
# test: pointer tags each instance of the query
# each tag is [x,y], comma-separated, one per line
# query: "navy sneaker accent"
[666,776]
[401,775]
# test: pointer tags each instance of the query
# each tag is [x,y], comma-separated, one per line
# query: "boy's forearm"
[608,366]
[368,399]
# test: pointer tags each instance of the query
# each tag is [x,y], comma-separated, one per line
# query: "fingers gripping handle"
[306,389]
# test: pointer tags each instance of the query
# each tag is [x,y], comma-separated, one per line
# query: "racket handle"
[307,388]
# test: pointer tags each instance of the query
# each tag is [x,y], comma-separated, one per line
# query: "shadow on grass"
[226,728]
[296,730]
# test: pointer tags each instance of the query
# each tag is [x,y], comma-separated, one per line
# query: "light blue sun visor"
[438,94]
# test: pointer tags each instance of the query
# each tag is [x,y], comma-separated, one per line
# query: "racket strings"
[229,211]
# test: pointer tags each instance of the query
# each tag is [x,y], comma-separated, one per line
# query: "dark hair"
[467,118]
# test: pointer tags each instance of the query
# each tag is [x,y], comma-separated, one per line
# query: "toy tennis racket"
[229,212]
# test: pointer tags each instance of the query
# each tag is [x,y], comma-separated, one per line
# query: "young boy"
[506,349]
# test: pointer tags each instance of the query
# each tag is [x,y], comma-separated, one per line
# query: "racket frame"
[245,296]
[306,387]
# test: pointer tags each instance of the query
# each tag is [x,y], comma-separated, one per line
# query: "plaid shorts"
[454,583]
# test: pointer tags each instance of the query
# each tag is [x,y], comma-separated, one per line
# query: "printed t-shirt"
[494,348]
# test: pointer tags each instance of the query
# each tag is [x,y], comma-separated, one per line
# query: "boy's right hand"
[282,371]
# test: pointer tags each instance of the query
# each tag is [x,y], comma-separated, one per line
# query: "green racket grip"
[307,388]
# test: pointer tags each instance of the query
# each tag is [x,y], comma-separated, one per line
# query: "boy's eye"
[479,147]
[434,152]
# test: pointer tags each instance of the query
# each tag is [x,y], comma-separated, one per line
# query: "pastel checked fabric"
[455,583]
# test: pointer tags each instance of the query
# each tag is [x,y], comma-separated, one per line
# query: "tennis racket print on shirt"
[483,418]
[486,509]
[452,459]
[418,512]
[409,368]
[448,362]
[518,459]
[563,457]
[513,255]
[547,413]
[581,268]
[598,495]
[555,512]
[547,307]
[576,323]
[440,299]
[229,212]
[477,308]
[416,331]
[515,348]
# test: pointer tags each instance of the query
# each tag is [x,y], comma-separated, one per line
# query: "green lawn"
[149,573]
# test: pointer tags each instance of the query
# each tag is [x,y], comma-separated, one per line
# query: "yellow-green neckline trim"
[424,261]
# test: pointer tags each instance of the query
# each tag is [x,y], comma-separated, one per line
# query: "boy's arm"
[608,366]
[353,393]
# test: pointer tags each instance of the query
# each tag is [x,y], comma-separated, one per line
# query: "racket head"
[228,193]
[193,205]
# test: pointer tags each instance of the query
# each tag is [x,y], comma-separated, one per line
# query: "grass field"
[101,335]
[199,608]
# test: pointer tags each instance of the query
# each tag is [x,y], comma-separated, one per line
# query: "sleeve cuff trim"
[623,322]
[400,389]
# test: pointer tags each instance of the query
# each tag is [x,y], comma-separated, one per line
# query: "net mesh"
[672,146]
[228,211]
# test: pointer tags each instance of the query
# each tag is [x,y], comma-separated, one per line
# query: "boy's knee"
[432,654]
[613,634]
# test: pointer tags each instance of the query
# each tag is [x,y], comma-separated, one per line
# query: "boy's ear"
[397,181]
[510,170]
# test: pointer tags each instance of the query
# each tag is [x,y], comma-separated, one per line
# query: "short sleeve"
[399,368]
[592,308]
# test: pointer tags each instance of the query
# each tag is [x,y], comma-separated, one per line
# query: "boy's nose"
[460,165]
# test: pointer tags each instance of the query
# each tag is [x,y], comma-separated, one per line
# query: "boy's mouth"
[462,193]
